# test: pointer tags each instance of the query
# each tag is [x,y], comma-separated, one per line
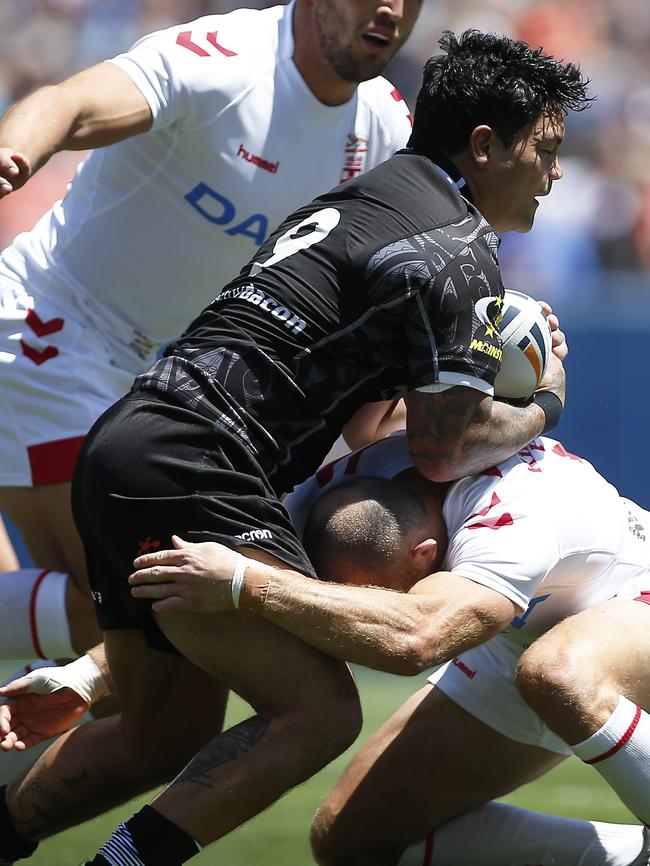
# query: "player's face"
[523,173]
[359,37]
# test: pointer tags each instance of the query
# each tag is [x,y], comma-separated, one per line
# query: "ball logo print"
[526,340]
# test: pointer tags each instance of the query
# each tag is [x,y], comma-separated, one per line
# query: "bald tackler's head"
[376,531]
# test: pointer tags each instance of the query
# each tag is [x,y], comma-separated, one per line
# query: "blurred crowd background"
[595,226]
[589,252]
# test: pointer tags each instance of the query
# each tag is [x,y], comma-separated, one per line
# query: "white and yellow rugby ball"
[526,346]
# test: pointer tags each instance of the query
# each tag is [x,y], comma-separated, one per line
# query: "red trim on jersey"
[42,328]
[212,39]
[38,356]
[624,739]
[494,501]
[53,462]
[32,614]
[184,39]
[644,597]
[504,519]
[494,471]
[561,451]
[428,850]
[326,472]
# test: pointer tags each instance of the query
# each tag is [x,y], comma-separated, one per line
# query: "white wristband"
[238,580]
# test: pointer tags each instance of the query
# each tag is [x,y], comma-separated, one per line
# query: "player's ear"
[480,143]
[423,555]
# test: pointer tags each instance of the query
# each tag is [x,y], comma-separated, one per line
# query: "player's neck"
[323,82]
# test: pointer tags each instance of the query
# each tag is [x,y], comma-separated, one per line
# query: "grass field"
[278,837]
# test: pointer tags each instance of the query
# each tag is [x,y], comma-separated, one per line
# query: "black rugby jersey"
[386,284]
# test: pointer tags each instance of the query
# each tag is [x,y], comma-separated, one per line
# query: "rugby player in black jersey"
[383,288]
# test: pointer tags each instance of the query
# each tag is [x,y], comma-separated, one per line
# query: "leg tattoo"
[222,749]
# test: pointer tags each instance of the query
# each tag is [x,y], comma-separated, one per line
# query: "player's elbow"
[421,652]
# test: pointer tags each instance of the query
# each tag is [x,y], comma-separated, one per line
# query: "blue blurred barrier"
[607,416]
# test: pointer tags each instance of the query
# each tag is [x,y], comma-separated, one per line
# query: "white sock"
[33,617]
[620,751]
[499,834]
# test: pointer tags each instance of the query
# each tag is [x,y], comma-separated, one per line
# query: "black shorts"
[149,470]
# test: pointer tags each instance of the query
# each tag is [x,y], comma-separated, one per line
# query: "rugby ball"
[526,340]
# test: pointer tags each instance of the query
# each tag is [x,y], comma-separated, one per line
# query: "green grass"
[279,835]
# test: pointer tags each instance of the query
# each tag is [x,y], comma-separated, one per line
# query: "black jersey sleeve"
[455,292]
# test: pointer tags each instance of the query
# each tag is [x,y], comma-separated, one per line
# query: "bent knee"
[329,847]
[335,723]
[334,844]
[553,677]
[323,713]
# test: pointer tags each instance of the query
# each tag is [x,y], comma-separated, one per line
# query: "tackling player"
[517,550]
[206,135]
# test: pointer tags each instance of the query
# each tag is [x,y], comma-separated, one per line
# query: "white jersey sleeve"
[548,532]
[191,72]
[494,537]
[386,104]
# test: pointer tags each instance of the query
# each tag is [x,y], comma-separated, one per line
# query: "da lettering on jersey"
[220,210]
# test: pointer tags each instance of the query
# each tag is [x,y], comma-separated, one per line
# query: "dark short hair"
[364,520]
[484,78]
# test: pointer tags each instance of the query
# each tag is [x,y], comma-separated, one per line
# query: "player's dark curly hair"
[484,78]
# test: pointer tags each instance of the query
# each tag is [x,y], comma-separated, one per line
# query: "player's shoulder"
[230,41]
[406,207]
[384,102]
[521,481]
[410,184]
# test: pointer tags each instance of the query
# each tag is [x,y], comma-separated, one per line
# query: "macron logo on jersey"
[258,298]
[219,210]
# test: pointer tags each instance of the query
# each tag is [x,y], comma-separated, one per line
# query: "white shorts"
[482,681]
[57,375]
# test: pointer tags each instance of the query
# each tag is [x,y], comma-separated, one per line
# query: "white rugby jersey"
[543,528]
[154,226]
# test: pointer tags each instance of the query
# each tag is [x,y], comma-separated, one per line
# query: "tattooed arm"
[462,431]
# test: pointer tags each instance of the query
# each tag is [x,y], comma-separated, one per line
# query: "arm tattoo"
[222,749]
[436,426]
[457,430]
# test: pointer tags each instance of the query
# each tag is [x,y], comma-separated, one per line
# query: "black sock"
[13,846]
[147,839]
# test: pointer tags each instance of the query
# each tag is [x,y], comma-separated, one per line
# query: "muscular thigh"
[170,707]
[608,643]
[276,672]
[428,763]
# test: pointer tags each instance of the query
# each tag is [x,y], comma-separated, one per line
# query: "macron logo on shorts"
[256,535]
